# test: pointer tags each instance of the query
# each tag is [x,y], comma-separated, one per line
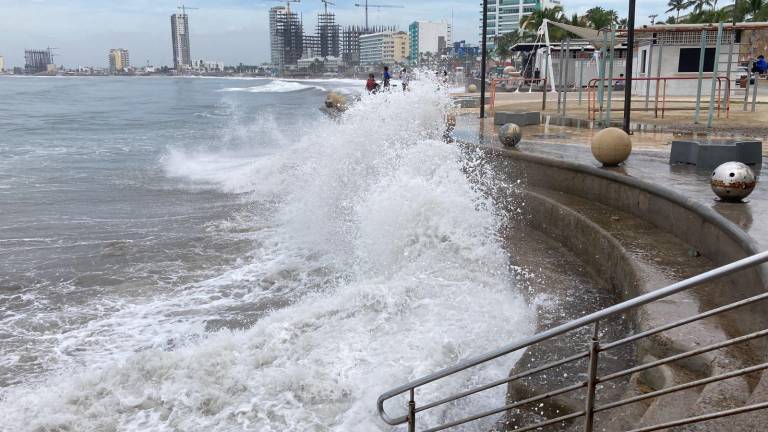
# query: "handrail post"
[412,412]
[589,408]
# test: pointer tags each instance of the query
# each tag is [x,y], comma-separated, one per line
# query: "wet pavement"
[569,139]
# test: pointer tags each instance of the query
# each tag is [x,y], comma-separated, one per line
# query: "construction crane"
[366,6]
[326,3]
[183,9]
[288,4]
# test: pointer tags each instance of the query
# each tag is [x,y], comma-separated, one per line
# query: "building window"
[689,60]
[643,53]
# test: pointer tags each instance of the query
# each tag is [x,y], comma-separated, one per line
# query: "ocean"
[208,254]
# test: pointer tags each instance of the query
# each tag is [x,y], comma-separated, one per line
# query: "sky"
[232,31]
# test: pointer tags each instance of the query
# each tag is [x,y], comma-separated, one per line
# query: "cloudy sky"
[230,30]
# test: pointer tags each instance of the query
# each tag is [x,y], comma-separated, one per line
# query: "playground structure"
[598,104]
[679,61]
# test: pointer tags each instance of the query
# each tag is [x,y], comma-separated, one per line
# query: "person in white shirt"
[404,78]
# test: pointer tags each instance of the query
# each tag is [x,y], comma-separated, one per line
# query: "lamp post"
[628,71]
[483,56]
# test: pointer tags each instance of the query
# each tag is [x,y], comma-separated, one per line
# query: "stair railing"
[593,354]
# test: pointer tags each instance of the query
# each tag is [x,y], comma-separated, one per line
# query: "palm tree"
[756,10]
[699,5]
[505,42]
[533,21]
[678,6]
[599,18]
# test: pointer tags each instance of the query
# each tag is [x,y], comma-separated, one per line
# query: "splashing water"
[400,273]
[274,87]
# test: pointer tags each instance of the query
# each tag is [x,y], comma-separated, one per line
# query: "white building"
[119,60]
[674,51]
[383,48]
[504,16]
[2,63]
[428,38]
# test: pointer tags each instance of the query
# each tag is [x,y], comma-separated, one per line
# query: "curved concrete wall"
[711,234]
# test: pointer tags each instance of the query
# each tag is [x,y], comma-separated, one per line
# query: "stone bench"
[518,118]
[710,154]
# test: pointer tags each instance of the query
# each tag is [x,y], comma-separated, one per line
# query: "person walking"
[387,77]
[404,78]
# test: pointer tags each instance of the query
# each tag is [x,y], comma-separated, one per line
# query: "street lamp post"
[628,71]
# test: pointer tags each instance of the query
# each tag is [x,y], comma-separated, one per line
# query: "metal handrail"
[592,318]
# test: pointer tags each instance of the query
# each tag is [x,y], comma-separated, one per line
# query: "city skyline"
[234,31]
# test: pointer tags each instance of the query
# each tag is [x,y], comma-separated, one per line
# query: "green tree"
[599,18]
[678,6]
[533,21]
[699,5]
[754,10]
[505,42]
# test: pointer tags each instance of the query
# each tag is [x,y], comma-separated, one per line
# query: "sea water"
[217,255]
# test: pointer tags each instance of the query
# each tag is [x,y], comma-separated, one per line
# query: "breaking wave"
[274,87]
[394,262]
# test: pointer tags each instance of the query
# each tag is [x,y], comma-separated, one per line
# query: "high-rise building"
[504,16]
[428,38]
[180,39]
[2,64]
[286,36]
[37,61]
[350,41]
[328,35]
[119,60]
[310,46]
[384,48]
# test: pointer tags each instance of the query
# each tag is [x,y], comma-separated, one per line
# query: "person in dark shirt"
[387,77]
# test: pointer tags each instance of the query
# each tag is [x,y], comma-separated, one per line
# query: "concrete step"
[610,242]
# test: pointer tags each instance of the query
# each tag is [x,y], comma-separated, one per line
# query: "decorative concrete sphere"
[611,146]
[472,88]
[510,135]
[336,101]
[733,181]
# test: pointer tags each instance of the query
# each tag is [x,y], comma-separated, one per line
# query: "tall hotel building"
[180,39]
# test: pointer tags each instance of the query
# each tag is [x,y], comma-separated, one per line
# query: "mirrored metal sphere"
[510,135]
[733,181]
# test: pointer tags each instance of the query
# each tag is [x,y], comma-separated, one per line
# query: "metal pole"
[567,70]
[589,405]
[601,90]
[544,88]
[746,84]
[714,75]
[648,74]
[412,412]
[754,92]
[658,75]
[581,74]
[628,68]
[701,74]
[484,58]
[559,85]
[731,43]
[610,76]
